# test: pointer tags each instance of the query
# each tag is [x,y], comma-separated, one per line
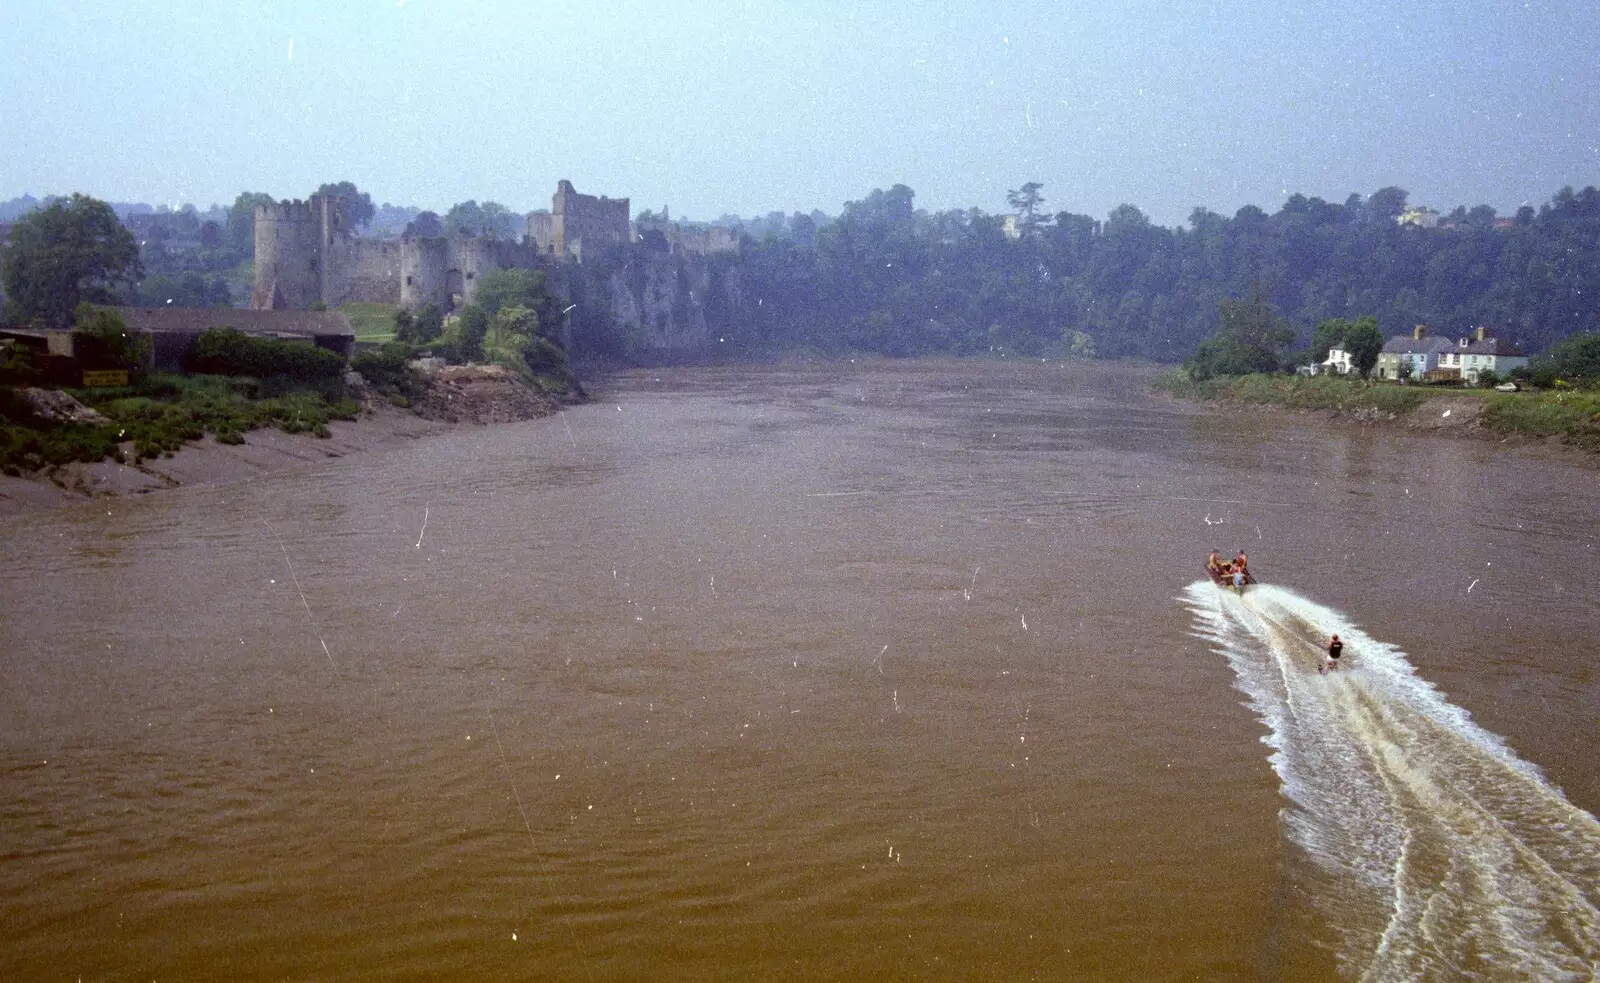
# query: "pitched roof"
[1492,346]
[196,319]
[1403,344]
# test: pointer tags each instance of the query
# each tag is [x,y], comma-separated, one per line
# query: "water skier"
[1335,649]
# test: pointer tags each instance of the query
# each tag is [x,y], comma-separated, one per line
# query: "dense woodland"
[886,277]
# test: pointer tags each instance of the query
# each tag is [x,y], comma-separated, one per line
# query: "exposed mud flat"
[208,462]
[461,394]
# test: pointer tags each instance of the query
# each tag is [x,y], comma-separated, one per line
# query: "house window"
[471,275]
[408,281]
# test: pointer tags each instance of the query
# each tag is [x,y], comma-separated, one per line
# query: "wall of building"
[578,220]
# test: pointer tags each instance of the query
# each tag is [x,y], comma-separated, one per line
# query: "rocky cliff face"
[659,301]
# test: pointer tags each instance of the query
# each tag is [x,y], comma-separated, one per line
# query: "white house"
[1338,362]
[1483,353]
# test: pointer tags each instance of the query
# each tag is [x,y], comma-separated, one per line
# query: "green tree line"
[888,277]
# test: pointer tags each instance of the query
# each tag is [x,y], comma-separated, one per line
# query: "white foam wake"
[1437,852]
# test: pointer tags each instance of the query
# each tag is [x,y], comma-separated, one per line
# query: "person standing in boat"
[1241,563]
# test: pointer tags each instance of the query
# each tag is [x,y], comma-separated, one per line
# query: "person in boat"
[1242,563]
[1238,579]
[1214,563]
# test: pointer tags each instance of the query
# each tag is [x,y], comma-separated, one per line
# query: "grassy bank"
[1573,416]
[372,322]
[1296,392]
[161,414]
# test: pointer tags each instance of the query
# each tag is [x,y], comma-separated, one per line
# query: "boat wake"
[1437,853]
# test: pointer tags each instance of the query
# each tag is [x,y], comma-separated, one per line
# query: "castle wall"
[432,269]
[373,274]
[691,241]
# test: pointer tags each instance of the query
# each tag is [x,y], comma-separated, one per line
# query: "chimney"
[1419,332]
[1483,333]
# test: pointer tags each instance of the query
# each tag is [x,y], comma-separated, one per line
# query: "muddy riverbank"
[460,395]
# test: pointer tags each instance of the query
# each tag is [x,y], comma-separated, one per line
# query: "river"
[884,671]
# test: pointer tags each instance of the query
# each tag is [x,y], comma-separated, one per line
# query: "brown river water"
[879,671]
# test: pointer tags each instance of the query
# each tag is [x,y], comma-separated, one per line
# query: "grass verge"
[1573,416]
[372,322]
[1296,392]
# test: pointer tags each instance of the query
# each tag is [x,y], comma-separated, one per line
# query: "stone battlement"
[291,211]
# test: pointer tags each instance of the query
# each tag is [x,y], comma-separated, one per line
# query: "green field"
[373,322]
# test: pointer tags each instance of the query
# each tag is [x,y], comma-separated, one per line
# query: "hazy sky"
[717,107]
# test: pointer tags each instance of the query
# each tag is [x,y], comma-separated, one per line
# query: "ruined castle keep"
[575,219]
[307,254]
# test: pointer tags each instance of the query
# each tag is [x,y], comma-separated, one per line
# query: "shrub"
[101,340]
[385,366]
[228,351]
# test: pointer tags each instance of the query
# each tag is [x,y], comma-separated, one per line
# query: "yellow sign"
[104,377]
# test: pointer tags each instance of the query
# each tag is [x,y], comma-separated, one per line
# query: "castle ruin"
[575,219]
[308,256]
[306,253]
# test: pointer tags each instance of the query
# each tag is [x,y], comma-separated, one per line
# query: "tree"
[1025,201]
[1387,203]
[71,251]
[1364,342]
[429,323]
[488,219]
[499,222]
[242,219]
[1573,359]
[358,206]
[519,288]
[1249,338]
[425,224]
[1329,335]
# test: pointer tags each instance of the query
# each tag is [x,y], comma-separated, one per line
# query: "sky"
[715,107]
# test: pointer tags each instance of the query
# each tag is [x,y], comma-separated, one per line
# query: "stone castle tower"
[307,254]
[290,260]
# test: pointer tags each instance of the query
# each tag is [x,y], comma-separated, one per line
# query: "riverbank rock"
[58,407]
[482,394]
